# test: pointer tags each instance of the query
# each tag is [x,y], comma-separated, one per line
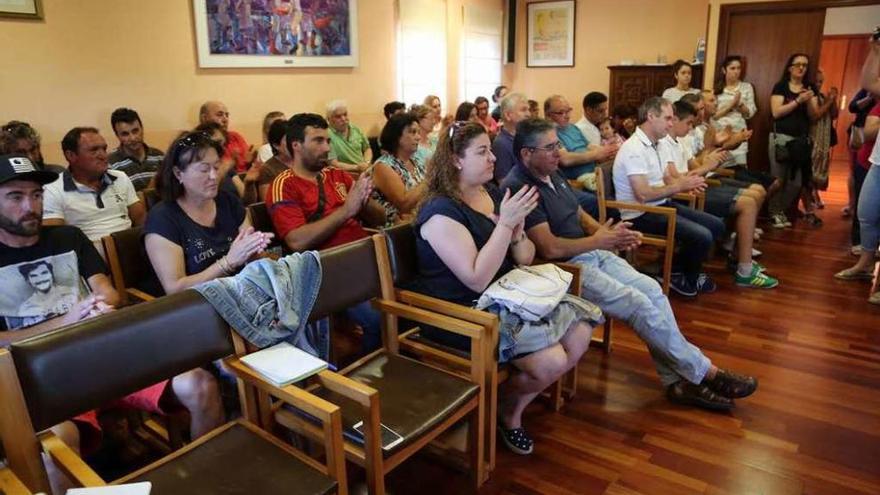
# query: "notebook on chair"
[283,364]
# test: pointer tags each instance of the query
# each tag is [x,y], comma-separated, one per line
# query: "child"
[609,135]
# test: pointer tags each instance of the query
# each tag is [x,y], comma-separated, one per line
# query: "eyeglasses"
[800,65]
[192,140]
[550,148]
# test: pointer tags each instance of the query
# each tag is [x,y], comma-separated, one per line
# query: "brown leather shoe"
[685,392]
[732,385]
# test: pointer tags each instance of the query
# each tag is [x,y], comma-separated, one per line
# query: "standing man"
[133,156]
[237,148]
[314,206]
[514,109]
[88,195]
[640,177]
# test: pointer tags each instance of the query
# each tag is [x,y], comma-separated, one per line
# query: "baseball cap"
[19,167]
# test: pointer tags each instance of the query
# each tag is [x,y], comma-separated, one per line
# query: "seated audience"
[514,109]
[562,230]
[433,102]
[467,235]
[724,201]
[639,175]
[198,232]
[486,120]
[55,277]
[534,109]
[88,194]
[237,148]
[398,175]
[348,145]
[280,160]
[608,134]
[266,151]
[869,198]
[394,108]
[239,186]
[467,112]
[595,106]
[133,156]
[427,139]
[624,119]
[683,72]
[24,139]
[314,206]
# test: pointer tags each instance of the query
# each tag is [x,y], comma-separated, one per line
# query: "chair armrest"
[725,172]
[139,294]
[575,270]
[448,323]
[713,182]
[69,462]
[447,308]
[662,210]
[689,197]
[372,230]
[10,484]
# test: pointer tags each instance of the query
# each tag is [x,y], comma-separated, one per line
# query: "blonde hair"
[420,111]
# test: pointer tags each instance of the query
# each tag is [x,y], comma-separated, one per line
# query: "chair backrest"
[262,221]
[127,256]
[349,275]
[403,259]
[151,197]
[375,148]
[83,366]
[605,181]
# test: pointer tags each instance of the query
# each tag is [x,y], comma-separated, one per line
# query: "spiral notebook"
[283,364]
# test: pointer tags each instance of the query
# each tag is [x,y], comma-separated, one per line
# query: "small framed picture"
[550,34]
[22,9]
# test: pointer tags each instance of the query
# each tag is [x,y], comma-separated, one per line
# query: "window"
[481,51]
[421,49]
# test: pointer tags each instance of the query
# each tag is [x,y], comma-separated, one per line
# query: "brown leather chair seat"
[237,461]
[415,398]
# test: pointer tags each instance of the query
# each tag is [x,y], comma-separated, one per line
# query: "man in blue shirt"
[514,109]
[561,230]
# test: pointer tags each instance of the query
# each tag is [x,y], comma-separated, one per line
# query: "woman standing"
[467,235]
[793,104]
[736,102]
[683,72]
[398,175]
[820,133]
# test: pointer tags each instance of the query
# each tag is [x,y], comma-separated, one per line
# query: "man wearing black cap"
[40,267]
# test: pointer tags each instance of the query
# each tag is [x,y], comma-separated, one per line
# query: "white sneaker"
[759,231]
[729,243]
[756,253]
[778,221]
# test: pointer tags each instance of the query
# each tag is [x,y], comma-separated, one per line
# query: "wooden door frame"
[728,10]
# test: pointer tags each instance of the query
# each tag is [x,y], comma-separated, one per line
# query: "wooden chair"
[129,264]
[605,193]
[418,401]
[52,377]
[10,484]
[401,269]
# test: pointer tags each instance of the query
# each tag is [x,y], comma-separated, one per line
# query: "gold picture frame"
[21,9]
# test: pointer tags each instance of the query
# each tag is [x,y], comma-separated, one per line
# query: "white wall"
[852,20]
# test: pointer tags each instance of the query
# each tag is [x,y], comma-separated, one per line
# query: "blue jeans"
[624,293]
[859,174]
[869,210]
[370,321]
[695,231]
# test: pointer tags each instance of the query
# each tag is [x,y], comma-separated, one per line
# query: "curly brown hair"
[443,174]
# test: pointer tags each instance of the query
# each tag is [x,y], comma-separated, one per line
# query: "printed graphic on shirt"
[35,291]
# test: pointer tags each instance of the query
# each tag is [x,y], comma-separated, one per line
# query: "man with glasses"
[88,194]
[561,230]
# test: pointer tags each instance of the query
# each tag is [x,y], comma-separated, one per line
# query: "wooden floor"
[813,426]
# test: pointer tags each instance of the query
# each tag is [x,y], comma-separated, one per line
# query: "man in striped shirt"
[134,157]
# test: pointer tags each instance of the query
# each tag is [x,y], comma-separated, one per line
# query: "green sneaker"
[756,280]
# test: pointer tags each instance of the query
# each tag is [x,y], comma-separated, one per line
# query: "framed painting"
[276,33]
[550,34]
[22,9]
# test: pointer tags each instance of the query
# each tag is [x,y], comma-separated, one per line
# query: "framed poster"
[23,9]
[276,33]
[550,34]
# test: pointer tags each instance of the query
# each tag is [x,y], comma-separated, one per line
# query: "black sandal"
[732,385]
[517,440]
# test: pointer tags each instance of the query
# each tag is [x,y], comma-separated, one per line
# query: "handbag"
[530,292]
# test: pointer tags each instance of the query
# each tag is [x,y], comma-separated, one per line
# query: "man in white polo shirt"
[88,195]
[640,177]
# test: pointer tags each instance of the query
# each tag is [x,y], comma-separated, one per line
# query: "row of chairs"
[58,375]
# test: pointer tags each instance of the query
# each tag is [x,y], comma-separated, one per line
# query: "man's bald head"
[214,111]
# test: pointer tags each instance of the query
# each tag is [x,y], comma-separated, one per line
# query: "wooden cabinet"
[633,84]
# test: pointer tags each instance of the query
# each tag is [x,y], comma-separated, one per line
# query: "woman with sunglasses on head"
[198,232]
[468,234]
[794,105]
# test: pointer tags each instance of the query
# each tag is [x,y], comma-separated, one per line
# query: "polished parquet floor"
[813,426]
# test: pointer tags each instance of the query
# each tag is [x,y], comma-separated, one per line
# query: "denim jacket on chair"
[270,301]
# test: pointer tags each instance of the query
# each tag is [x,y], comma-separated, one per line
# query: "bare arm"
[387,182]
[871,70]
[872,126]
[137,212]
[100,285]
[645,192]
[592,154]
[373,214]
